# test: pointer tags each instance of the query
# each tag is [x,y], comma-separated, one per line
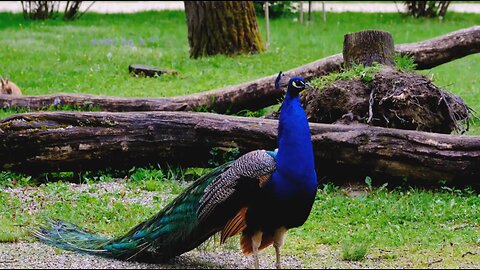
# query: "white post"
[324,13]
[266,7]
[301,12]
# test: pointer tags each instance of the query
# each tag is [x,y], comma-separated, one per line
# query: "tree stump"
[390,98]
[367,47]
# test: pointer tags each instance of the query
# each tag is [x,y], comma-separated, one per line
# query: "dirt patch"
[392,99]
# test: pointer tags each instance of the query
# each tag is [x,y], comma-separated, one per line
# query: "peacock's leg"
[278,238]
[256,242]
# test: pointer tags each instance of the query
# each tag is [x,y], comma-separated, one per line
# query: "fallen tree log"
[253,96]
[61,141]
[443,49]
[259,93]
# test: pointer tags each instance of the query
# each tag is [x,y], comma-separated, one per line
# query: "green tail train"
[173,231]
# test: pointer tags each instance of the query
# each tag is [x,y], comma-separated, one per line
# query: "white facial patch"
[294,83]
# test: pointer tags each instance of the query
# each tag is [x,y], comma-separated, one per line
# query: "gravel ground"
[25,255]
[36,255]
[33,198]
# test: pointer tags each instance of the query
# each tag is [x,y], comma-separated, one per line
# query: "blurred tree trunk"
[72,9]
[39,10]
[43,10]
[427,8]
[222,27]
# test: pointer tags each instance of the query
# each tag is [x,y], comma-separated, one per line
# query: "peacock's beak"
[308,86]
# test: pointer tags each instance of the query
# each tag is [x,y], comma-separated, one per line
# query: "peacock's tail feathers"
[172,231]
[70,237]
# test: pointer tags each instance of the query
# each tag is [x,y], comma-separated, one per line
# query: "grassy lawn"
[395,227]
[92,55]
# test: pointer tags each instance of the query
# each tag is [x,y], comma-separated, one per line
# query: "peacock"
[260,195]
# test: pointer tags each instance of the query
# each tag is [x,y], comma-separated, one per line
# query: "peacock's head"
[296,85]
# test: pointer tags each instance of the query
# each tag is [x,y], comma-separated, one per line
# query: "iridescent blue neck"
[295,161]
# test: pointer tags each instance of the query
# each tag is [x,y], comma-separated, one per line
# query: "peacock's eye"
[294,83]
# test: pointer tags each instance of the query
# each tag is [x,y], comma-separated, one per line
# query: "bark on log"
[367,47]
[259,93]
[60,141]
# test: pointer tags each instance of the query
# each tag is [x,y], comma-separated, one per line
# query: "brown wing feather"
[263,179]
[234,225]
[255,165]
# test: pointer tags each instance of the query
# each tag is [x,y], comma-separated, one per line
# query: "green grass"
[404,222]
[92,55]
[391,219]
[355,72]
[9,232]
[106,211]
[354,250]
